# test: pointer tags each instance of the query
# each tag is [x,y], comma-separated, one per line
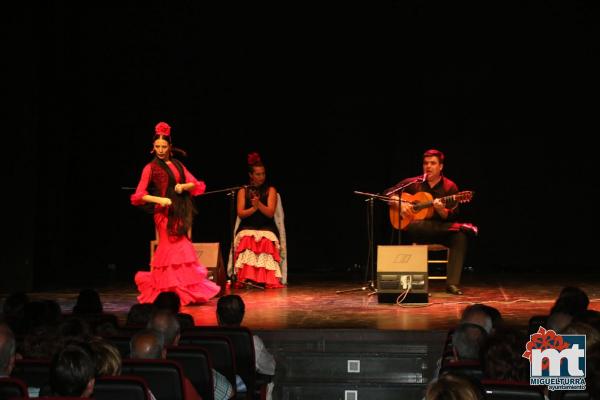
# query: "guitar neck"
[427,204]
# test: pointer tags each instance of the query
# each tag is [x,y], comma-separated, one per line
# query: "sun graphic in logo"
[542,340]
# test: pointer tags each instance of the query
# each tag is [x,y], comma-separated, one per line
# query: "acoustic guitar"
[422,204]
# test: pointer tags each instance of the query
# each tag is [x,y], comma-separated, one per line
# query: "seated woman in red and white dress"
[257,249]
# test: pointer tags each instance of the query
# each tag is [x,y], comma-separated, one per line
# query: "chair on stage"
[437,256]
[279,221]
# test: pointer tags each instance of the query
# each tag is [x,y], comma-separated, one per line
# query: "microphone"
[424,178]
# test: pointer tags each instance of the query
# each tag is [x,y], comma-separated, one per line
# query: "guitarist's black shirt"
[445,187]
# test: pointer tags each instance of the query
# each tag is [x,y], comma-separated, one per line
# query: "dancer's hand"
[164,201]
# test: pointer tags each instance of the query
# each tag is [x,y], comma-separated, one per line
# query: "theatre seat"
[120,388]
[511,390]
[164,377]
[12,387]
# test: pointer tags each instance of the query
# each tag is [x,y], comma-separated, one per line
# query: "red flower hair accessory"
[253,158]
[162,128]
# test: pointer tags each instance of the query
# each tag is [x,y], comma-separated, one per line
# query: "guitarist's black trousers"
[430,231]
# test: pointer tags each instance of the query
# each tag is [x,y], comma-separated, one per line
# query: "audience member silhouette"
[107,358]
[42,343]
[7,350]
[72,371]
[13,311]
[230,313]
[590,317]
[40,313]
[88,302]
[558,320]
[592,336]
[571,300]
[74,329]
[501,356]
[452,387]
[164,322]
[467,341]
[481,315]
[593,371]
[150,345]
[139,315]
[171,301]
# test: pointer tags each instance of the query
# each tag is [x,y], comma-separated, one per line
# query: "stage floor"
[310,302]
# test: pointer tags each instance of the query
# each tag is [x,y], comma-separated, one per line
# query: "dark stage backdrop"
[333,100]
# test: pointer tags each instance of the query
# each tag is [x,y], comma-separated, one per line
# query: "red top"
[152,172]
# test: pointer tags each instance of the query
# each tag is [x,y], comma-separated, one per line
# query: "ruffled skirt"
[257,258]
[175,268]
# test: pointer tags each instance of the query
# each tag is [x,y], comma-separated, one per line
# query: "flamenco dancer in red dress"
[175,267]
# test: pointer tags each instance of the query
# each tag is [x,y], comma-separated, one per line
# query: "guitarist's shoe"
[453,289]
[468,228]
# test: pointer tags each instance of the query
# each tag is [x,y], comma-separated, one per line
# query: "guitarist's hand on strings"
[440,208]
[406,209]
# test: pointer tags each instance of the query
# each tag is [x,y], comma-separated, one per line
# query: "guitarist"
[439,228]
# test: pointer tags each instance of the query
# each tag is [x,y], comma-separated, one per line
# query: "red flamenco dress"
[174,267]
[257,249]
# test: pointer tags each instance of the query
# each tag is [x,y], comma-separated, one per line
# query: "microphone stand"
[231,193]
[370,268]
[400,189]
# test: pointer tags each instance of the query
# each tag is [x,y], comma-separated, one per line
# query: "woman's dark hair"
[174,149]
[254,160]
[182,211]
